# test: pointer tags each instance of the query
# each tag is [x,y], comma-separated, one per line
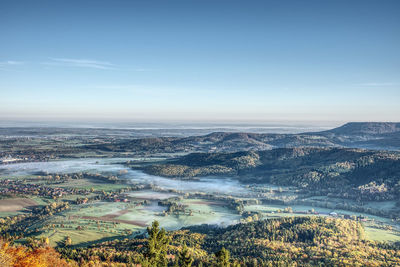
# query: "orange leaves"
[24,257]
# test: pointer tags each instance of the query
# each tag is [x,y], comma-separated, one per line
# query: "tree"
[44,241]
[184,259]
[5,257]
[157,245]
[68,241]
[22,256]
[223,258]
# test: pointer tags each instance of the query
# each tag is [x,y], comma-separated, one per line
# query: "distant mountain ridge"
[368,135]
[361,128]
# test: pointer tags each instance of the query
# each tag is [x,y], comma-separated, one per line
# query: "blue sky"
[200,60]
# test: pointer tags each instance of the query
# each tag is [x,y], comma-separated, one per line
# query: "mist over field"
[206,185]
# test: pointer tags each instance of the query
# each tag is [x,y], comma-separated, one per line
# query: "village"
[13,188]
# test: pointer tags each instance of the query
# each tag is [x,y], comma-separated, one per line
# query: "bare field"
[16,204]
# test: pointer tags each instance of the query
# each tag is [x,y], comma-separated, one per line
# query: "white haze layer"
[224,185]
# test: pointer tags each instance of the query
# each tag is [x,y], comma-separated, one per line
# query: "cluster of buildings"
[9,159]
[24,157]
[10,187]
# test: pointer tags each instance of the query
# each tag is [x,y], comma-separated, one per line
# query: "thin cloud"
[142,69]
[11,62]
[4,65]
[81,63]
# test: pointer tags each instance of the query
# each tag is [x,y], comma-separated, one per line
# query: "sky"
[200,60]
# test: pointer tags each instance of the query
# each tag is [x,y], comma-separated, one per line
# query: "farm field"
[16,204]
[19,205]
[90,184]
[375,234]
[112,210]
[79,238]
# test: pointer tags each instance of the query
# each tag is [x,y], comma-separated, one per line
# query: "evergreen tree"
[157,245]
[223,258]
[184,259]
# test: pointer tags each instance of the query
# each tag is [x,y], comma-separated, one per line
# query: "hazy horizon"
[260,126]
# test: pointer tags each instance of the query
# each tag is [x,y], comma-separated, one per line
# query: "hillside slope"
[305,241]
[366,128]
[363,173]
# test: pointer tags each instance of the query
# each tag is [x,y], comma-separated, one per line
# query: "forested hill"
[355,172]
[371,135]
[378,136]
[366,128]
[305,241]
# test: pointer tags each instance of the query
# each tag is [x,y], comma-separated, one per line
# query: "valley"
[80,194]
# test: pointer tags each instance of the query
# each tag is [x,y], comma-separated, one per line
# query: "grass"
[4,214]
[66,224]
[74,197]
[385,205]
[57,236]
[381,234]
[99,209]
[41,200]
[201,213]
[90,183]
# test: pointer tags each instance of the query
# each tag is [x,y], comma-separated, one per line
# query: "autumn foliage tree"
[21,256]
